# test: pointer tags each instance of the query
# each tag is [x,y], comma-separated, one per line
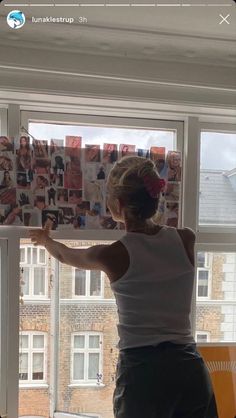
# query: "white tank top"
[154,295]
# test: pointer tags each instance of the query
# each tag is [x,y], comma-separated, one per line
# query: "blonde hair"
[126,182]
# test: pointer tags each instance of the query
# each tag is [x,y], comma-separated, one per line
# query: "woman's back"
[154,295]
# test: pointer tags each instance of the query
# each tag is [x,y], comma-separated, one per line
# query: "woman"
[7,181]
[151,270]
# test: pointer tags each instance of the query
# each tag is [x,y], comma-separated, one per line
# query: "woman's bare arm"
[93,258]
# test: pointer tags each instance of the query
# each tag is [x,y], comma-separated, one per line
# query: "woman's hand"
[39,236]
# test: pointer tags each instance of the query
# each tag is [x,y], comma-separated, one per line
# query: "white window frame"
[87,286]
[205,333]
[86,351]
[168,116]
[30,351]
[23,264]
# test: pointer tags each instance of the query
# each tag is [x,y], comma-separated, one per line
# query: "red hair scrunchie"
[153,185]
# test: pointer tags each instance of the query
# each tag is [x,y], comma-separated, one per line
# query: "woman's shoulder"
[187,233]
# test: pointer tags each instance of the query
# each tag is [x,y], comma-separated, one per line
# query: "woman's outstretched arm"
[92,258]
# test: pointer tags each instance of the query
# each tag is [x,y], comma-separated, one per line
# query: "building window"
[203,275]
[32,358]
[202,337]
[87,358]
[33,271]
[87,283]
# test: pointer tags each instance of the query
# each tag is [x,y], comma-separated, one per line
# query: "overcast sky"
[218,150]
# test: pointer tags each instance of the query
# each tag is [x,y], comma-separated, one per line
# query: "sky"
[218,150]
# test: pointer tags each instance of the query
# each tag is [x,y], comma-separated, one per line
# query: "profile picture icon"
[16,19]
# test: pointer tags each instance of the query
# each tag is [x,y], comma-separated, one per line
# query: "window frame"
[31,295]
[86,351]
[30,350]
[87,285]
[207,267]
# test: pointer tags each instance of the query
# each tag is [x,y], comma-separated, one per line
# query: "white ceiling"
[183,34]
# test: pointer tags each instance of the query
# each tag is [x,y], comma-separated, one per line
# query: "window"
[203,275]
[33,272]
[32,359]
[217,198]
[87,358]
[87,283]
[202,337]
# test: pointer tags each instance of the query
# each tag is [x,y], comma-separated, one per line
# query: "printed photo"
[75,196]
[40,202]
[66,216]
[50,193]
[40,148]
[57,164]
[50,219]
[32,217]
[56,180]
[6,144]
[24,154]
[42,165]
[92,221]
[8,197]
[174,166]
[24,198]
[73,146]
[73,180]
[7,180]
[80,215]
[92,153]
[4,210]
[73,164]
[172,192]
[157,153]
[62,196]
[126,150]
[7,161]
[57,146]
[143,153]
[14,217]
[110,153]
[172,214]
[94,191]
[40,183]
[22,181]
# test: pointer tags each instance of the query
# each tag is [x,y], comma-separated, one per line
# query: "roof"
[217,198]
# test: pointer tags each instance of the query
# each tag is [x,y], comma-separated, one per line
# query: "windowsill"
[88,385]
[33,385]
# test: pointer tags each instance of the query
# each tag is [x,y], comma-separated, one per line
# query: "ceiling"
[184,34]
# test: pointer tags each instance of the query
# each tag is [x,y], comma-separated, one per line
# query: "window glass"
[80,282]
[93,365]
[79,341]
[78,366]
[23,366]
[94,341]
[39,280]
[203,283]
[217,200]
[38,341]
[38,359]
[22,255]
[24,341]
[95,283]
[25,286]
[42,254]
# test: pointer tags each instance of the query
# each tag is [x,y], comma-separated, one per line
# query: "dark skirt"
[166,381]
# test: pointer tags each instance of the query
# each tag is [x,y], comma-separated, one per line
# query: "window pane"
[217,201]
[93,365]
[94,341]
[217,314]
[78,371]
[39,281]
[24,341]
[38,341]
[38,360]
[28,255]
[80,282]
[34,254]
[22,255]
[23,366]
[201,259]
[42,254]
[26,278]
[95,283]
[201,338]
[79,341]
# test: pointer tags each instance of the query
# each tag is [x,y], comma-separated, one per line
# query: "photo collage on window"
[59,184]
